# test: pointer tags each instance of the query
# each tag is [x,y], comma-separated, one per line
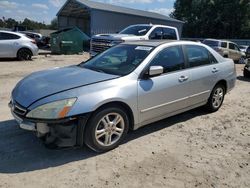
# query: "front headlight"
[53,110]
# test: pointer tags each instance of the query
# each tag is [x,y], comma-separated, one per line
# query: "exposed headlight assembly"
[53,110]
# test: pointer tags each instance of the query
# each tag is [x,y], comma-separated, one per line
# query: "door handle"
[183,78]
[215,70]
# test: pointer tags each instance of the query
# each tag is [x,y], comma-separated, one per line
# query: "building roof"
[118,9]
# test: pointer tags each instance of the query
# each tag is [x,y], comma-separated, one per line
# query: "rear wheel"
[242,60]
[216,98]
[246,73]
[106,129]
[24,54]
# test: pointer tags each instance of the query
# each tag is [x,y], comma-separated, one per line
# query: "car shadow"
[242,78]
[21,151]
[13,59]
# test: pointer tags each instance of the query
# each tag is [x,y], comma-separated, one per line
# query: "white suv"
[17,45]
[102,42]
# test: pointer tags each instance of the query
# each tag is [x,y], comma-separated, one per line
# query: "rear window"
[211,43]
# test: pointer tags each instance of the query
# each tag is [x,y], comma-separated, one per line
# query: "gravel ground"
[194,149]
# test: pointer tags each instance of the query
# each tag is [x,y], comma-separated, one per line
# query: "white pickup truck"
[102,42]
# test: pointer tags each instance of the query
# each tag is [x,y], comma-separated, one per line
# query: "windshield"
[211,43]
[119,60]
[138,30]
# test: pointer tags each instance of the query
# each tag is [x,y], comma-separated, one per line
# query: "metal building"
[95,17]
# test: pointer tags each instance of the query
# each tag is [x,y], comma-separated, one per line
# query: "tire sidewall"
[246,73]
[89,133]
[210,101]
[20,56]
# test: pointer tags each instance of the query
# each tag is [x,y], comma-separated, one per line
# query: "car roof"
[155,43]
[11,32]
[219,40]
[152,25]
[30,32]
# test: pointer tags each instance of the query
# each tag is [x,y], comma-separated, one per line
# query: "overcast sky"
[45,10]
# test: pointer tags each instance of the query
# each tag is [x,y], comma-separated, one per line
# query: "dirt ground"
[194,149]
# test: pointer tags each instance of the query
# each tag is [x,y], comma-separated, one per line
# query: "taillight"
[33,41]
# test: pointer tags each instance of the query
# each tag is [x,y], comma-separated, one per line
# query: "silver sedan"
[124,88]
[17,45]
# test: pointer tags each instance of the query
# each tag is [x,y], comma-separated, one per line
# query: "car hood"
[114,37]
[44,83]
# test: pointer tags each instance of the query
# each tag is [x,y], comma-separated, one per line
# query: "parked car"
[36,36]
[44,42]
[17,45]
[227,49]
[246,71]
[243,48]
[125,87]
[102,42]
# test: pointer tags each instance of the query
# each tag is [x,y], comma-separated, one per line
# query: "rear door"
[166,93]
[238,52]
[232,52]
[204,70]
[7,44]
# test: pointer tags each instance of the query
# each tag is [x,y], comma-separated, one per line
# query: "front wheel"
[216,98]
[106,129]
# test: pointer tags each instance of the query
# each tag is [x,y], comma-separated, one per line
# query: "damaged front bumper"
[66,132]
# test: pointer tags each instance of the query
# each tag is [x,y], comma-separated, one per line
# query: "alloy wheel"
[217,97]
[109,129]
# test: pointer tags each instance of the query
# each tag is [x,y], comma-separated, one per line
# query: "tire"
[246,73]
[101,133]
[241,60]
[24,54]
[216,98]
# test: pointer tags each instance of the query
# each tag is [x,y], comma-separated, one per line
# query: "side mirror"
[155,71]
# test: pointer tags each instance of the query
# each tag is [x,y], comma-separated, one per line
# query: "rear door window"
[171,59]
[197,55]
[169,33]
[231,46]
[156,34]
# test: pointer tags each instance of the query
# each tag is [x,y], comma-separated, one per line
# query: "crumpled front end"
[54,133]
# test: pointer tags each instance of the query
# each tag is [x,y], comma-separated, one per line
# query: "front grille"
[100,45]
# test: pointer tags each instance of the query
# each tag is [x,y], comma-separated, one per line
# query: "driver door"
[168,92]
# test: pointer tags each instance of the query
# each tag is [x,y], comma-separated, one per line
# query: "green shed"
[69,41]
